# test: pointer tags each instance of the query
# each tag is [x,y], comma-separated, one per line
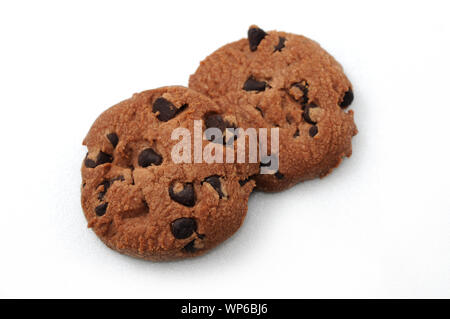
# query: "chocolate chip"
[106,184]
[100,210]
[215,120]
[182,108]
[182,194]
[253,85]
[260,110]
[190,248]
[149,157]
[101,195]
[103,158]
[113,139]
[347,99]
[263,163]
[89,163]
[313,131]
[255,36]
[297,133]
[280,44]
[214,181]
[165,108]
[304,87]
[183,227]
[279,175]
[306,116]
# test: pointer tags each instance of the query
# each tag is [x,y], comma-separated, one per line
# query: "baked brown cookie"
[286,81]
[139,200]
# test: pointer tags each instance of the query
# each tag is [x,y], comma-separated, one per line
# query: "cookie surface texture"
[286,81]
[139,200]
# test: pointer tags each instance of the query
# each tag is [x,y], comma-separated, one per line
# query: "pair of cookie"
[141,201]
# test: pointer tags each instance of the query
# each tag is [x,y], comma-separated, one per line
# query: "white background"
[379,226]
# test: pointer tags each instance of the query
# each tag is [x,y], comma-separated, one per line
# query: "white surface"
[379,226]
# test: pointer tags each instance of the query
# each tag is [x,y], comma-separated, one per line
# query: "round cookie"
[139,200]
[286,81]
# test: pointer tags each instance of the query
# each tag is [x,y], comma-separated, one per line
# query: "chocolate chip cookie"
[139,200]
[286,81]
